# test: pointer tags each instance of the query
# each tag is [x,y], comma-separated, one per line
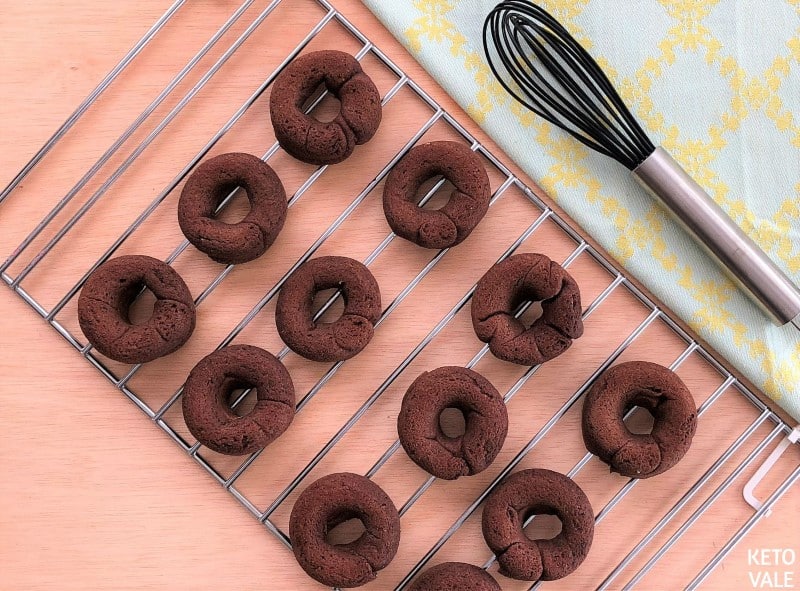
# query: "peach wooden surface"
[94,497]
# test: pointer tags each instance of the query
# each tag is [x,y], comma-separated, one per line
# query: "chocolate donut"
[331,341]
[486,422]
[313,141]
[453,222]
[517,279]
[655,388]
[210,183]
[538,492]
[106,298]
[455,576]
[206,394]
[332,500]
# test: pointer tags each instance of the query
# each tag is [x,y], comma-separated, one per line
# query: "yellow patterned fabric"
[717,83]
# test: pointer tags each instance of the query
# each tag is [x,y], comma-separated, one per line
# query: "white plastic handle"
[751,499]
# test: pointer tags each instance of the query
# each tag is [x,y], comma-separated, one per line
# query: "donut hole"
[331,310]
[439,198]
[531,312]
[142,304]
[327,109]
[236,208]
[541,524]
[525,306]
[639,420]
[453,422]
[344,529]
[242,399]
[638,410]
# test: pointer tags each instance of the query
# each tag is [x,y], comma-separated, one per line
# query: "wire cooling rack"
[346,411]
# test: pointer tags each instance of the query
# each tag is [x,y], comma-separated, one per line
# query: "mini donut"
[655,388]
[485,416]
[210,183]
[505,286]
[106,298]
[313,141]
[453,222]
[538,492]
[328,341]
[332,500]
[206,408]
[455,576]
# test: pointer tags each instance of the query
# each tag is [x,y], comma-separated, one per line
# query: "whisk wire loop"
[582,117]
[548,71]
[525,75]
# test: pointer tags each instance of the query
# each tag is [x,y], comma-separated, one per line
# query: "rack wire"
[42,242]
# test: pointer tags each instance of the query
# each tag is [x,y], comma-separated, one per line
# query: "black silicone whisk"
[544,68]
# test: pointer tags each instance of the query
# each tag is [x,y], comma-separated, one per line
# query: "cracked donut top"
[328,341]
[485,416]
[106,298]
[213,181]
[509,283]
[207,392]
[537,492]
[453,222]
[330,501]
[455,576]
[650,386]
[317,142]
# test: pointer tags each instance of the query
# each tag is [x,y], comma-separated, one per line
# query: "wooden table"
[94,497]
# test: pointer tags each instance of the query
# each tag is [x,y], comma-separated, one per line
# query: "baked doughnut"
[206,407]
[332,500]
[313,141]
[537,492]
[210,183]
[106,298]
[486,422]
[655,388]
[455,576]
[346,336]
[505,286]
[453,222]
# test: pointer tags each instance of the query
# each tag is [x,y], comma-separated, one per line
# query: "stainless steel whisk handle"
[735,252]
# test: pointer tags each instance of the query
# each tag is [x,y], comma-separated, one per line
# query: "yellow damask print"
[431,25]
[785,372]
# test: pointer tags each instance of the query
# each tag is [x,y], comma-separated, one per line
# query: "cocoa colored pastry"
[206,400]
[486,422]
[313,141]
[655,388]
[106,298]
[332,500]
[538,492]
[349,334]
[455,576]
[453,222]
[205,189]
[517,279]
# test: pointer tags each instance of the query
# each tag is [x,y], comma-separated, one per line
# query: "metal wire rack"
[733,457]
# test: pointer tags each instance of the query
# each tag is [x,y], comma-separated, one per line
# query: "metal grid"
[762,414]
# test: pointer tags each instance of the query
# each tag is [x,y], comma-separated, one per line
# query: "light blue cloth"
[717,83]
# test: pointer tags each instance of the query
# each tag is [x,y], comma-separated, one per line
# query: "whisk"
[544,68]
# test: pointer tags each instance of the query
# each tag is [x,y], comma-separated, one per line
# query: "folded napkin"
[717,83]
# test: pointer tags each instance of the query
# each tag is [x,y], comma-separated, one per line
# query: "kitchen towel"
[717,83]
